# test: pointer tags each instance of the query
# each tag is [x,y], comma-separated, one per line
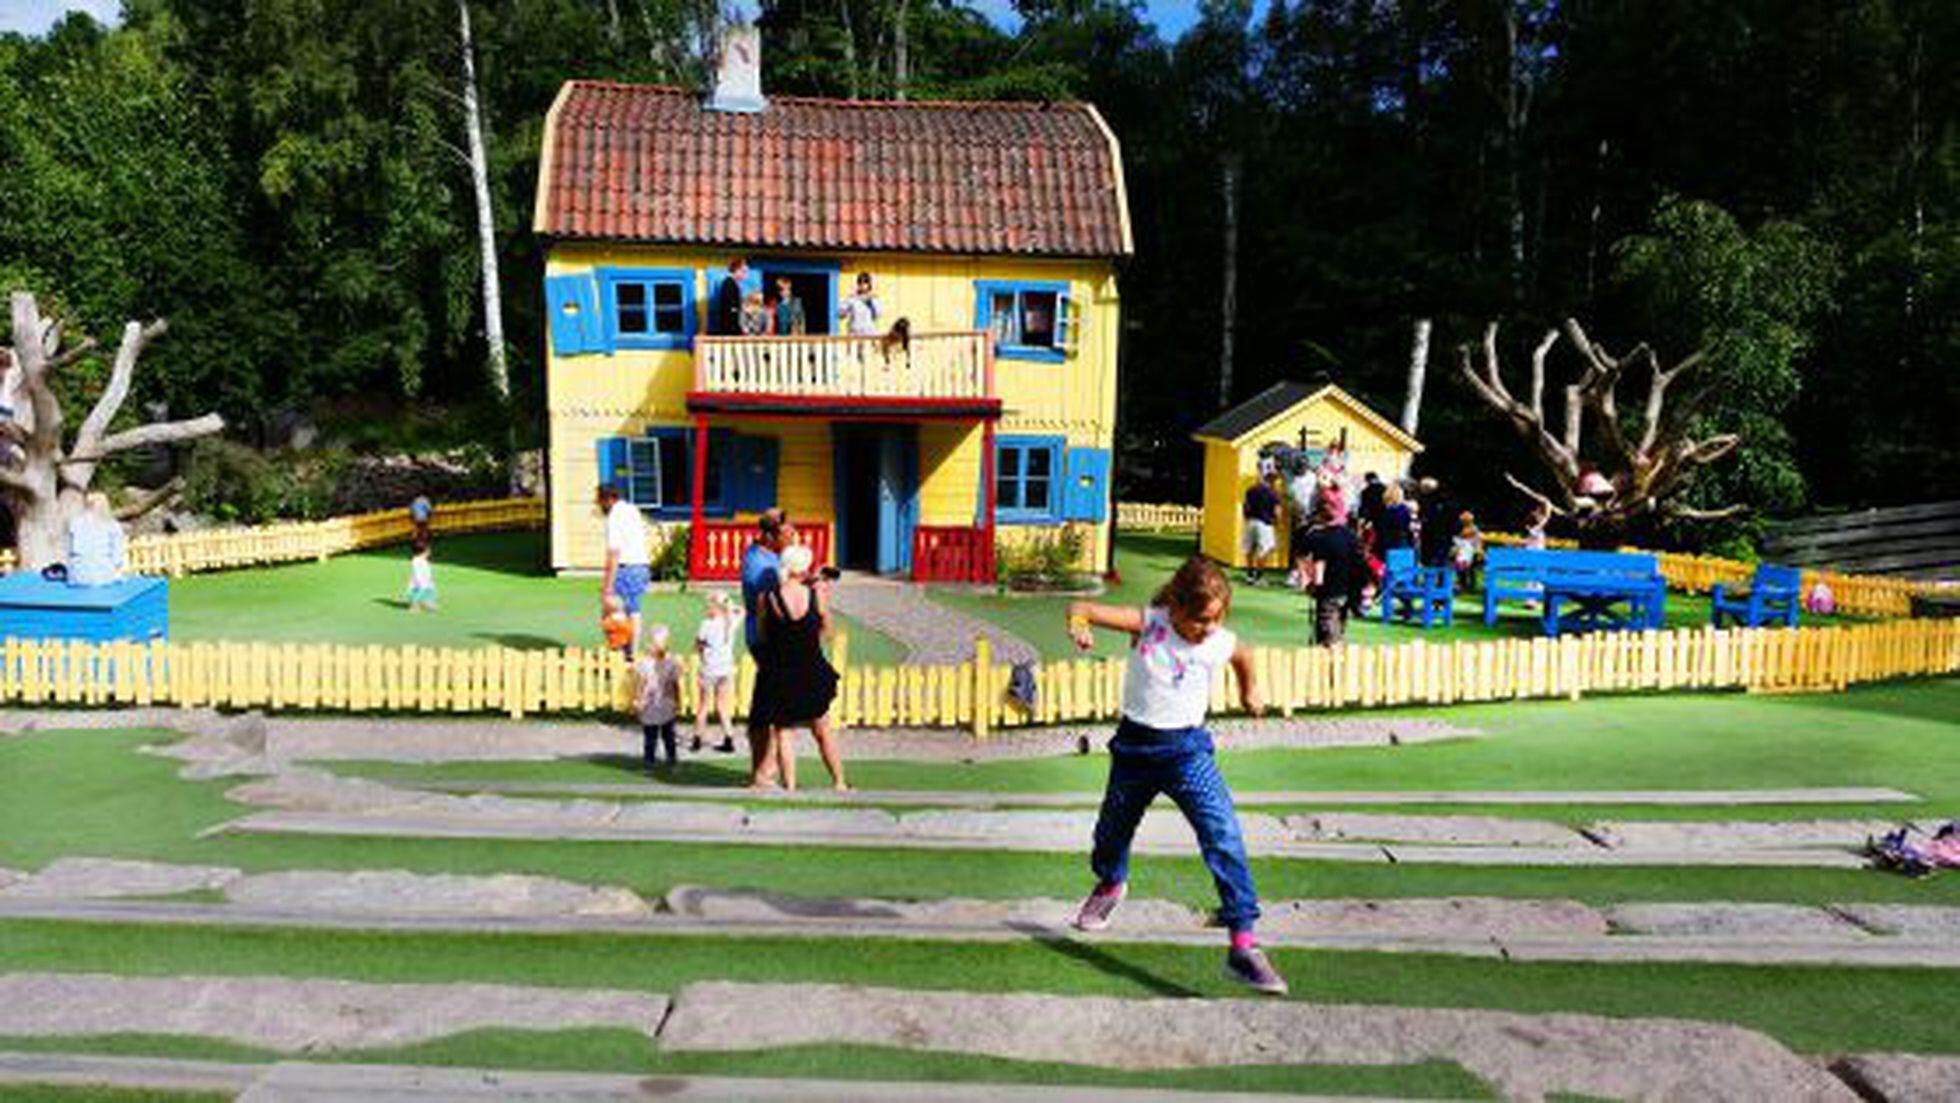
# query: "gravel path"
[930,633]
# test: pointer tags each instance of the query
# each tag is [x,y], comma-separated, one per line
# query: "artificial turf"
[628,1052]
[1812,1009]
[494,591]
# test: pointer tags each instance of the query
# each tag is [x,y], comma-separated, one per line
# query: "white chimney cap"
[738,71]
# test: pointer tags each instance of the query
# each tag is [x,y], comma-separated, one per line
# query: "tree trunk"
[901,52]
[1517,103]
[486,224]
[613,30]
[41,521]
[850,48]
[1418,370]
[1229,277]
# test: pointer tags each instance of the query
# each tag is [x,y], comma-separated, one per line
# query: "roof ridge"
[833,101]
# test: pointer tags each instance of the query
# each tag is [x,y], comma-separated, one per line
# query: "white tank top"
[1168,684]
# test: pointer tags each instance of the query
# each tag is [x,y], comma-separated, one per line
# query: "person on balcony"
[860,312]
[725,314]
[755,316]
[788,314]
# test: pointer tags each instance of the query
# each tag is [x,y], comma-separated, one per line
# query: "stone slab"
[1451,916]
[70,878]
[300,1015]
[1736,835]
[747,906]
[1902,1077]
[1905,920]
[829,821]
[1452,830]
[397,892]
[1522,1056]
[1161,827]
[11,876]
[1730,920]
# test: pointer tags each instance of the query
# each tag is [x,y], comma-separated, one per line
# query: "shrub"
[231,482]
[670,563]
[1046,561]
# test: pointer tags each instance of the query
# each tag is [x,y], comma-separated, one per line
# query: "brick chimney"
[738,71]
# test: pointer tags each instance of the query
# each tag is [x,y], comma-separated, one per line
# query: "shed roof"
[649,163]
[1248,417]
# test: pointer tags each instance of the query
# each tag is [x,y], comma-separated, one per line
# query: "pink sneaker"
[1097,909]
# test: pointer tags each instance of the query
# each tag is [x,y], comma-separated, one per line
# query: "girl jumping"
[1177,644]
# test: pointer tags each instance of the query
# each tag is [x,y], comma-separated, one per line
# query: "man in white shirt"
[860,312]
[627,565]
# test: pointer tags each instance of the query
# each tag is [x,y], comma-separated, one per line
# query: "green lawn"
[494,588]
[1266,614]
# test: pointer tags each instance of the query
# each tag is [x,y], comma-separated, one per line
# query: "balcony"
[932,375]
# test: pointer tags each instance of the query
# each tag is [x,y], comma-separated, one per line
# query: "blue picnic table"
[1580,591]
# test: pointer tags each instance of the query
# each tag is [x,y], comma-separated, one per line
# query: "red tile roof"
[646,163]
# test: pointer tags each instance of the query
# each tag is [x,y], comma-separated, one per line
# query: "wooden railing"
[951,553]
[930,365]
[296,541]
[1155,517]
[719,558]
[973,695]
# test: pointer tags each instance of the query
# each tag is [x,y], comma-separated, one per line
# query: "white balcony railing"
[930,365]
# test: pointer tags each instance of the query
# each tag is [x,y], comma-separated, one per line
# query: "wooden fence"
[184,553]
[1917,540]
[1159,517]
[973,695]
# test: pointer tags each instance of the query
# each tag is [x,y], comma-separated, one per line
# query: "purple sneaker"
[1097,909]
[1250,968]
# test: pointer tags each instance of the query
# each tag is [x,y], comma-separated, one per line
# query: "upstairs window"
[648,308]
[1026,320]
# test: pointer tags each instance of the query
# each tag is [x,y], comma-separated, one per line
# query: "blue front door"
[898,497]
[877,493]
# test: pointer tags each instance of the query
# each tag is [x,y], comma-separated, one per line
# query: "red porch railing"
[952,553]
[718,557]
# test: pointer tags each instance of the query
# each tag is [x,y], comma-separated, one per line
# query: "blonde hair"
[97,503]
[796,560]
[657,637]
[718,601]
[1393,495]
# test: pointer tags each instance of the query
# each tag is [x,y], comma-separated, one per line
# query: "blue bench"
[1412,591]
[31,607]
[1591,583]
[1774,594]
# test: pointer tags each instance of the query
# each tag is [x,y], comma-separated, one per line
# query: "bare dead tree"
[43,478]
[1648,467]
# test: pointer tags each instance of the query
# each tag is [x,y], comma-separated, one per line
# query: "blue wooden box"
[33,608]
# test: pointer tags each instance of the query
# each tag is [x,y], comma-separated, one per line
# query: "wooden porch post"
[697,537]
[987,500]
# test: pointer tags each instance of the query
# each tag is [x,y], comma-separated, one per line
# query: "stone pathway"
[299,1082]
[1526,1057]
[964,798]
[304,1015]
[930,633]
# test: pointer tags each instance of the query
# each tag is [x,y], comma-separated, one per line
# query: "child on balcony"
[1177,645]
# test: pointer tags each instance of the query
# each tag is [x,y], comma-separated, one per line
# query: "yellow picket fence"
[293,677]
[1152,517]
[178,554]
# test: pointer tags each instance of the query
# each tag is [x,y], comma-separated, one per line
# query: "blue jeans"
[1144,762]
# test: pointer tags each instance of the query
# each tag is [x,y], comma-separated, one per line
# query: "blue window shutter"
[754,485]
[573,303]
[1087,495]
[615,468]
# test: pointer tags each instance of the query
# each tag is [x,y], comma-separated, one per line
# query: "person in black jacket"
[725,316]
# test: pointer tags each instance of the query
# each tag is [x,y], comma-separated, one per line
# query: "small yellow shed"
[1299,416]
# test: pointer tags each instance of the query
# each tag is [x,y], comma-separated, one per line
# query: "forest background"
[1774,181]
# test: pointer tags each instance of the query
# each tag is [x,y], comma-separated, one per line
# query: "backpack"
[1021,687]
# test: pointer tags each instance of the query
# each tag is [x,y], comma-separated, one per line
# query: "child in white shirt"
[421,578]
[1177,645]
[714,642]
[657,697]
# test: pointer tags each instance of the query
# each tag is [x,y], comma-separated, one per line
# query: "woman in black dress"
[801,682]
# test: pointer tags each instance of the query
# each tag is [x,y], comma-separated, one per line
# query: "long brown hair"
[1194,587]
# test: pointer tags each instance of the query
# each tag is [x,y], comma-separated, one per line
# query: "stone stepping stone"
[397,892]
[1450,830]
[745,906]
[1929,921]
[1736,835]
[70,878]
[1522,1056]
[1163,827]
[1448,917]
[1902,1077]
[10,876]
[301,1082]
[1730,920]
[299,1015]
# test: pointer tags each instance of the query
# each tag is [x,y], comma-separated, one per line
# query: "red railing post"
[986,558]
[697,535]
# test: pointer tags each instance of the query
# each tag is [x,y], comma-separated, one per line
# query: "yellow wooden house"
[1298,416]
[979,409]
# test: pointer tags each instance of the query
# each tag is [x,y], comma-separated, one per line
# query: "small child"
[1177,644]
[714,642]
[1534,526]
[1465,549]
[657,697]
[755,316]
[616,625]
[421,578]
